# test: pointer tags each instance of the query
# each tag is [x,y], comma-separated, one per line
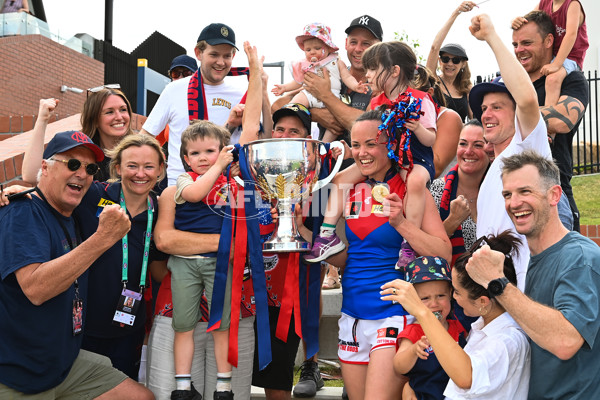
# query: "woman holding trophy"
[375,228]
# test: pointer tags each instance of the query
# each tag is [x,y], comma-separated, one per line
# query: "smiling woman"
[122,271]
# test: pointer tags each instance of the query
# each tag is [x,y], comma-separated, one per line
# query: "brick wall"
[34,67]
[591,231]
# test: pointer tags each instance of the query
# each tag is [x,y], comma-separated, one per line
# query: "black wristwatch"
[496,287]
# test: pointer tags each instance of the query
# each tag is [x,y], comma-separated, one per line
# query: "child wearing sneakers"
[320,53]
[415,358]
[390,69]
[204,150]
[570,42]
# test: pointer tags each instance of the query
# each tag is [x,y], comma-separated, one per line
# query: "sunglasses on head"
[99,88]
[293,106]
[175,74]
[455,60]
[74,164]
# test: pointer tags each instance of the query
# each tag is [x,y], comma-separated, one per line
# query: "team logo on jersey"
[353,209]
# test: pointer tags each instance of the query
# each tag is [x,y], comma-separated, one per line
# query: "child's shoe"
[324,247]
[405,257]
[228,395]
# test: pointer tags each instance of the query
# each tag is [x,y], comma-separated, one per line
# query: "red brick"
[9,169]
[18,160]
[597,241]
[592,231]
[2,174]
[583,229]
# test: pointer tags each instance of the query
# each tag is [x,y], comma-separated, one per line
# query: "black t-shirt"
[575,85]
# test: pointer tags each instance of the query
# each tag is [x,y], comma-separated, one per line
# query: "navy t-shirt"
[105,273]
[37,346]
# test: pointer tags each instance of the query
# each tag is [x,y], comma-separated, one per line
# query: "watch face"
[495,287]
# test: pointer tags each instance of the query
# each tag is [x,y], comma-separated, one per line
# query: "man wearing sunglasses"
[205,94]
[43,282]
[533,48]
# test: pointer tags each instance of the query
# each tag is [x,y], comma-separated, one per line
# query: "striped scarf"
[196,100]
[449,194]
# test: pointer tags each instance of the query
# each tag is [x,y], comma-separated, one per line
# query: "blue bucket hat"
[428,268]
[479,91]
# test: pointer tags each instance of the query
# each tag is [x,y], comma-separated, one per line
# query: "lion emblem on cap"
[224,31]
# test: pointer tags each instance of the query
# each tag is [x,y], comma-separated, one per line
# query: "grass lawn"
[586,189]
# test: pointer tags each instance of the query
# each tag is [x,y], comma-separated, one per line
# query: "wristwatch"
[496,286]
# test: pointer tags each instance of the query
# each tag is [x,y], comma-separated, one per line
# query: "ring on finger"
[394,291]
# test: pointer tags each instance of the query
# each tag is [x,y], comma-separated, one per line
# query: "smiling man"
[204,95]
[512,123]
[44,283]
[560,308]
[533,48]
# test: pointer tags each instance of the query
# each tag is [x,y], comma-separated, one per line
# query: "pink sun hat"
[319,31]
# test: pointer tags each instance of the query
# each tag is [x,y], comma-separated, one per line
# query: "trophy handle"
[335,170]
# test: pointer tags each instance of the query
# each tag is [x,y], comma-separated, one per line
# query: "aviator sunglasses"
[455,60]
[99,88]
[74,164]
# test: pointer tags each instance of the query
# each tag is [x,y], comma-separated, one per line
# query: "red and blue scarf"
[449,194]
[197,108]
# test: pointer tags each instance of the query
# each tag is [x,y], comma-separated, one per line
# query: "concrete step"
[325,393]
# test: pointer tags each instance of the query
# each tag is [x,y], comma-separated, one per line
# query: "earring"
[481,311]
[462,70]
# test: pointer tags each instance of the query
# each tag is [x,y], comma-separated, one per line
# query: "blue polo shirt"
[105,273]
[37,346]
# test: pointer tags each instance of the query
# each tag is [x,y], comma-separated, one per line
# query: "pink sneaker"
[323,248]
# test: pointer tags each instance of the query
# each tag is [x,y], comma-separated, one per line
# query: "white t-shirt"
[172,109]
[500,359]
[492,217]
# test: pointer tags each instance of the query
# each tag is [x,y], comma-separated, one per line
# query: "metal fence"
[586,154]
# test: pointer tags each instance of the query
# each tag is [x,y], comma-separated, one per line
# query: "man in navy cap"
[43,282]
[206,94]
[508,109]
[181,67]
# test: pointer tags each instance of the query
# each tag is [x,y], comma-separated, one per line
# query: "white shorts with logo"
[359,337]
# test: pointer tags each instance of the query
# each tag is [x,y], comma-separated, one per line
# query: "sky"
[273,25]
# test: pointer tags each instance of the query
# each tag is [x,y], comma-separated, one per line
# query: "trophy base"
[286,247]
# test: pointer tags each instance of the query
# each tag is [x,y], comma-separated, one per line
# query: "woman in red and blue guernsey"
[375,228]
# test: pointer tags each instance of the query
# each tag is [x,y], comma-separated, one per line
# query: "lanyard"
[147,237]
[59,219]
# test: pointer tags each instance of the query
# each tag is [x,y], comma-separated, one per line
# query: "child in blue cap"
[415,358]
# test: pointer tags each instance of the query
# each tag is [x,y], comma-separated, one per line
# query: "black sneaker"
[310,380]
[186,394]
[223,395]
[344,394]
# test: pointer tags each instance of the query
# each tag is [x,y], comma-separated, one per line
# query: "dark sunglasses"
[99,88]
[180,73]
[455,60]
[74,164]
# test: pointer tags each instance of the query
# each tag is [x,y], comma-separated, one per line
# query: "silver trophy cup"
[286,171]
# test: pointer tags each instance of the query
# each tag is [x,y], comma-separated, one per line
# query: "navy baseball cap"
[64,141]
[294,110]
[480,90]
[217,33]
[367,22]
[426,269]
[184,61]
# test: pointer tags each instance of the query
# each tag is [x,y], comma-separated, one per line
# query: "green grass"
[586,190]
